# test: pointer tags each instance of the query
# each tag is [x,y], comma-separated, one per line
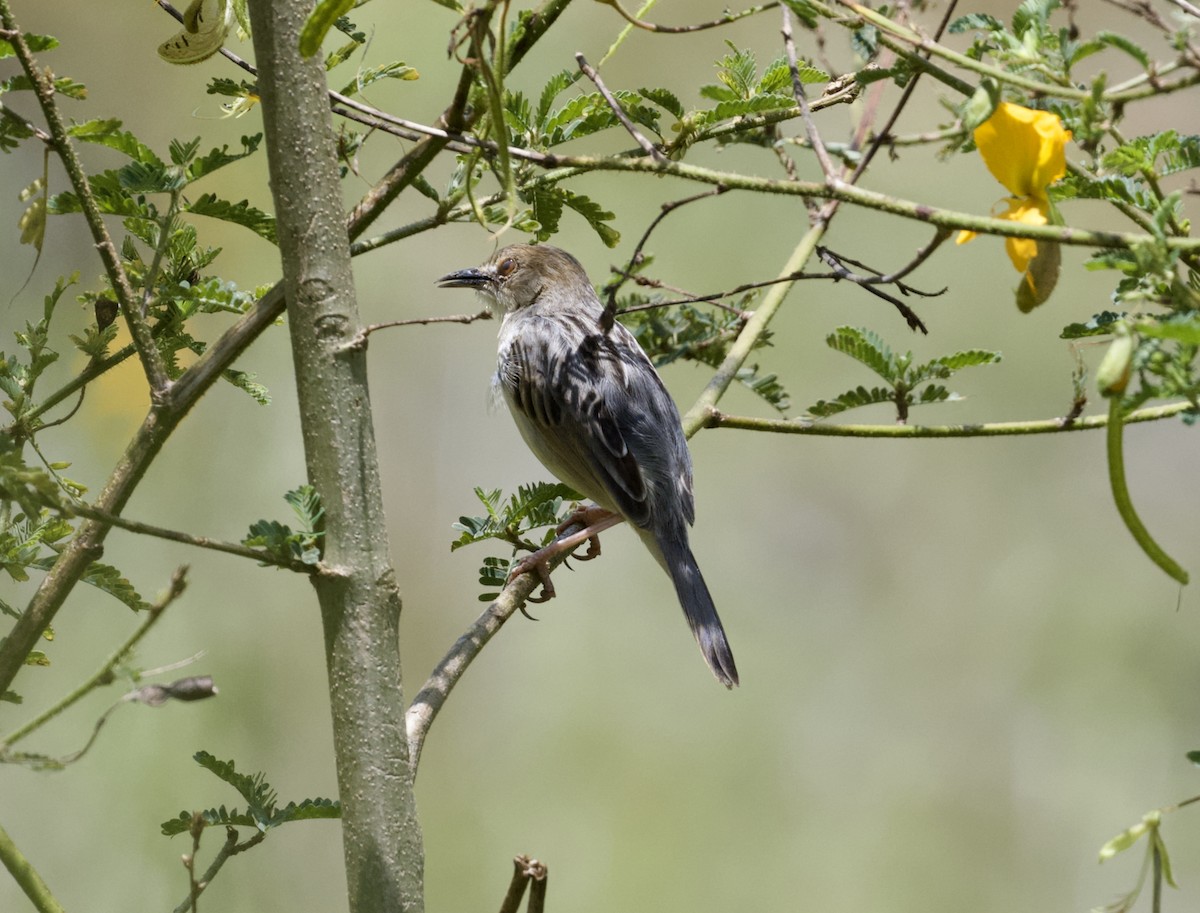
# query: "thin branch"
[229,849]
[921,256]
[446,674]
[636,257]
[174,535]
[516,887]
[718,419]
[810,127]
[105,673]
[366,331]
[921,43]
[9,114]
[152,361]
[590,72]
[682,29]
[870,283]
[751,332]
[901,104]
[909,209]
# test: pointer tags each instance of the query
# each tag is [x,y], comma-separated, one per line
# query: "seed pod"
[1112,377]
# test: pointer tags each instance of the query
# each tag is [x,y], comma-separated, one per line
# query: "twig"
[429,700]
[890,29]
[189,860]
[681,29]
[922,255]
[43,84]
[228,849]
[810,127]
[636,257]
[9,114]
[907,94]
[174,535]
[590,72]
[751,332]
[419,321]
[538,875]
[446,674]
[104,674]
[718,419]
[866,283]
[516,887]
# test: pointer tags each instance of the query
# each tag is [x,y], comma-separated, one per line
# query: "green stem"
[570,166]
[1116,476]
[718,419]
[976,66]
[26,876]
[698,415]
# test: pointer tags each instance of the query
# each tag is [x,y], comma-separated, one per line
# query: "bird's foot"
[589,516]
[593,519]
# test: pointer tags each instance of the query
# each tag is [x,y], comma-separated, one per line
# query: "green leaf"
[866,347]
[851,399]
[532,507]
[546,206]
[319,22]
[109,133]
[281,541]
[740,107]
[36,43]
[555,86]
[254,789]
[976,22]
[1120,42]
[259,222]
[1032,14]
[397,69]
[665,99]
[219,158]
[944,366]
[596,216]
[1184,328]
[105,578]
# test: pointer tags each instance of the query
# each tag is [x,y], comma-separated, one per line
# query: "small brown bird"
[591,407]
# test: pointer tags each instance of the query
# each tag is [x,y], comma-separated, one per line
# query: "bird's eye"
[506,268]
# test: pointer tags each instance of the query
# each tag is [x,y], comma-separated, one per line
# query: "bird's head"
[524,274]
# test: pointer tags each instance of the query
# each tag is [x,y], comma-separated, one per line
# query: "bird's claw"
[589,517]
[538,564]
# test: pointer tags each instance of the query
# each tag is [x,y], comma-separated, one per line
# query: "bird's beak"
[465,278]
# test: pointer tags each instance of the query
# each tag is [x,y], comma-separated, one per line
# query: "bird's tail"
[699,610]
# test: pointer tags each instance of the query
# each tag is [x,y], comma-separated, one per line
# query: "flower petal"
[1030,211]
[1023,148]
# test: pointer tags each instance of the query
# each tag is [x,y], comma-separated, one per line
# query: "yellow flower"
[1024,151]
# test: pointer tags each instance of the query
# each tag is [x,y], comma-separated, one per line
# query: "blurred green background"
[960,675]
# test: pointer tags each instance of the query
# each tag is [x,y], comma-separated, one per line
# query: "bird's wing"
[608,426]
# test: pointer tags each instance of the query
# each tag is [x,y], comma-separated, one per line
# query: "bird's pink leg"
[594,520]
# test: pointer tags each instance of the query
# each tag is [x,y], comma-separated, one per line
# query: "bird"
[592,408]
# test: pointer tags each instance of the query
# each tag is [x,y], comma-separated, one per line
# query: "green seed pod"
[1112,377]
